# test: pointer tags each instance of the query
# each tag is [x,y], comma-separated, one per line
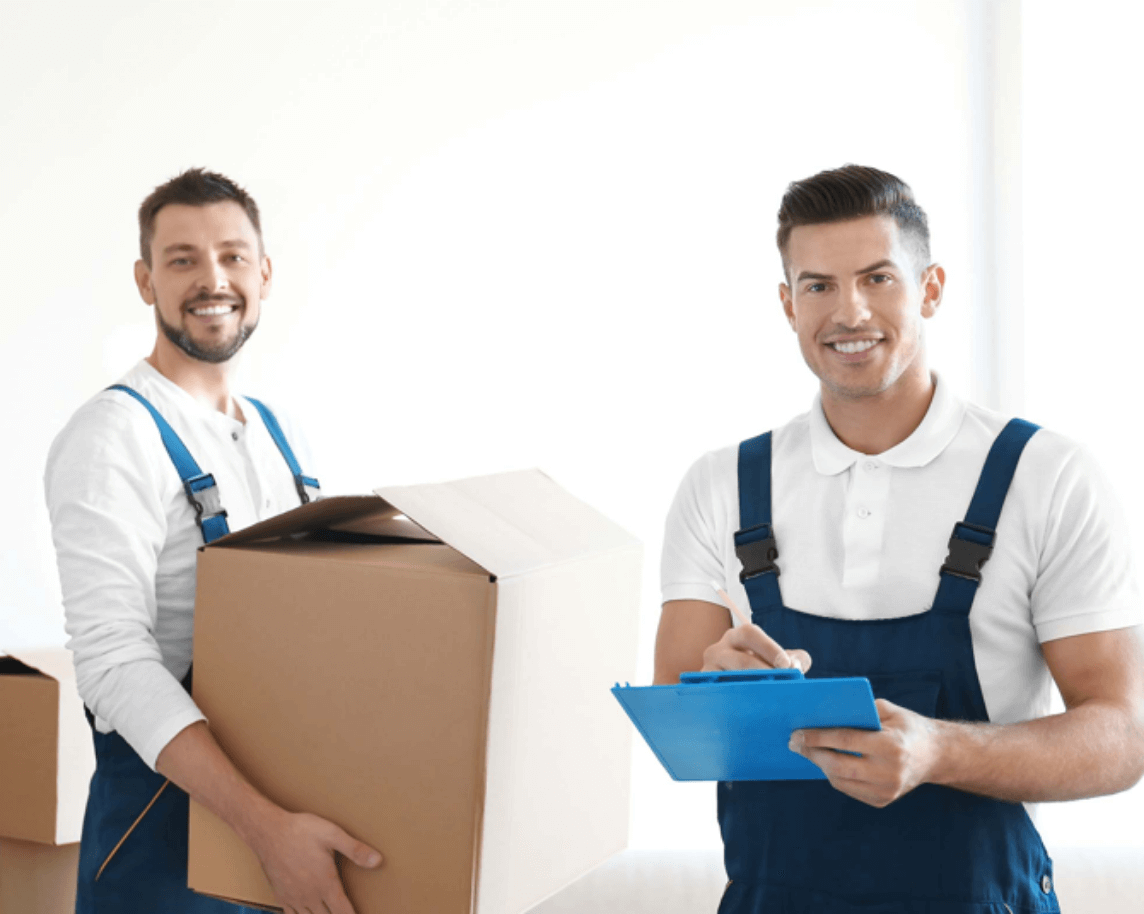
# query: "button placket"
[862,525]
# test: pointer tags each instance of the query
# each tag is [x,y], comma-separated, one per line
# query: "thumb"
[355,850]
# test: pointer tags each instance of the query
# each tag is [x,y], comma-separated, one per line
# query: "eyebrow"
[234,243]
[881,264]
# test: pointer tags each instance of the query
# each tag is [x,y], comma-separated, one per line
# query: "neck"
[208,383]
[874,424]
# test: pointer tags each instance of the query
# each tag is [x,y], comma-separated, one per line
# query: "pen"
[726,597]
[742,617]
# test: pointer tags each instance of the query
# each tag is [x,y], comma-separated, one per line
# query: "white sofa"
[1090,880]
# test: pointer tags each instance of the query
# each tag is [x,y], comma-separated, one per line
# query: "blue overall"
[796,847]
[133,851]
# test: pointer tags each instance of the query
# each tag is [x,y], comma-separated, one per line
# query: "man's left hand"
[893,760]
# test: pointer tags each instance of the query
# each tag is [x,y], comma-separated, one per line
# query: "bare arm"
[296,849]
[1095,747]
[697,635]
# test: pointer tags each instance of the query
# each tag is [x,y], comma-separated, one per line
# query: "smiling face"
[207,279]
[857,301]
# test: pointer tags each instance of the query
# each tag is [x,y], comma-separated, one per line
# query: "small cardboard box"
[429,668]
[46,763]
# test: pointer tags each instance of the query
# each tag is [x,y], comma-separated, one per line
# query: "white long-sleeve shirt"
[127,542]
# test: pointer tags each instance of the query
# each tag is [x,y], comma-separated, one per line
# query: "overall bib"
[133,850]
[797,847]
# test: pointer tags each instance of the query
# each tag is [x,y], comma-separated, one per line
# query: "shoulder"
[109,443]
[1047,454]
[108,423]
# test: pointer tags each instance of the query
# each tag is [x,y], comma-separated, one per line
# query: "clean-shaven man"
[961,561]
[143,474]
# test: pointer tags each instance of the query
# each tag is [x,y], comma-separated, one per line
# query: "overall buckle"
[757,550]
[305,485]
[202,493]
[967,556]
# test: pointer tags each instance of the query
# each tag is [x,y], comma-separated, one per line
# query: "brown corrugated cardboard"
[46,753]
[37,878]
[46,763]
[429,668]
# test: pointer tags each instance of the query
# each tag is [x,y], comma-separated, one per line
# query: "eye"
[179,261]
[816,287]
[880,278]
[238,258]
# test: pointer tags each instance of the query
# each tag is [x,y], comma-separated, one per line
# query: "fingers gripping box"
[429,668]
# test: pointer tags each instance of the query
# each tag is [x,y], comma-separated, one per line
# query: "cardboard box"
[429,668]
[37,878]
[46,763]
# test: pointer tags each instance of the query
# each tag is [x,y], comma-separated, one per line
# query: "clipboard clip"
[787,675]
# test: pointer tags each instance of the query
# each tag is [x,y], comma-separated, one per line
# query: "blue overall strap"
[301,482]
[755,540]
[972,541]
[202,491]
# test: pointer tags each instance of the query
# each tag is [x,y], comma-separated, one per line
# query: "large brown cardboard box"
[428,667]
[46,763]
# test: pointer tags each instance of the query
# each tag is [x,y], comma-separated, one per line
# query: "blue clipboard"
[735,725]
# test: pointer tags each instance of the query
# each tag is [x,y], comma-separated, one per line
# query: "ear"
[933,286]
[143,281]
[267,274]
[788,304]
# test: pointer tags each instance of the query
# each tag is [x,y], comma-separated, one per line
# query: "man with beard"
[143,474]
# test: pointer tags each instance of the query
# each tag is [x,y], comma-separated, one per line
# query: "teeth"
[857,346]
[212,311]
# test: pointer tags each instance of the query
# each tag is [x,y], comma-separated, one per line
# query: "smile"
[213,310]
[854,346]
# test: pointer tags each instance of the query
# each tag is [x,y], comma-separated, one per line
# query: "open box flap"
[56,663]
[509,523]
[366,514]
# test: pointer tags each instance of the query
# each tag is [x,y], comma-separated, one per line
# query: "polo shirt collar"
[928,440]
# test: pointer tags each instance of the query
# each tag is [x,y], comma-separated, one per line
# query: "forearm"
[194,761]
[1094,749]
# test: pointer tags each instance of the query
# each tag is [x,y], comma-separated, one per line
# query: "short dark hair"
[853,192]
[194,187]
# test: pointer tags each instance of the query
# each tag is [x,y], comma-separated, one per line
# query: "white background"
[541,234]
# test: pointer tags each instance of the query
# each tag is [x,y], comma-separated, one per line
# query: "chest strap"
[201,488]
[971,543]
[304,484]
[755,541]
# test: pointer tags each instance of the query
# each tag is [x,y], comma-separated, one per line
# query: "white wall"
[505,234]
[1084,310]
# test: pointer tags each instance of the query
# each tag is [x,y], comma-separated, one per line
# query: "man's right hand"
[748,647]
[297,850]
[697,634]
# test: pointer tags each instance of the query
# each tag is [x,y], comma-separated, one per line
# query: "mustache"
[204,298]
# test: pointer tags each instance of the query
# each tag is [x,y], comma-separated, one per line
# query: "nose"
[852,309]
[214,278]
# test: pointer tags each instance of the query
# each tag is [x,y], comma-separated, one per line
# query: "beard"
[214,353]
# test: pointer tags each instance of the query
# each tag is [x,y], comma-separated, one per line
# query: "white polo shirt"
[863,537]
[127,542]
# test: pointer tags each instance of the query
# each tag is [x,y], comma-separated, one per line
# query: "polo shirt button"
[1046,884]
[234,435]
[870,465]
[864,513]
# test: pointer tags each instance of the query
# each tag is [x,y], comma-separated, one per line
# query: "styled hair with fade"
[194,187]
[853,192]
